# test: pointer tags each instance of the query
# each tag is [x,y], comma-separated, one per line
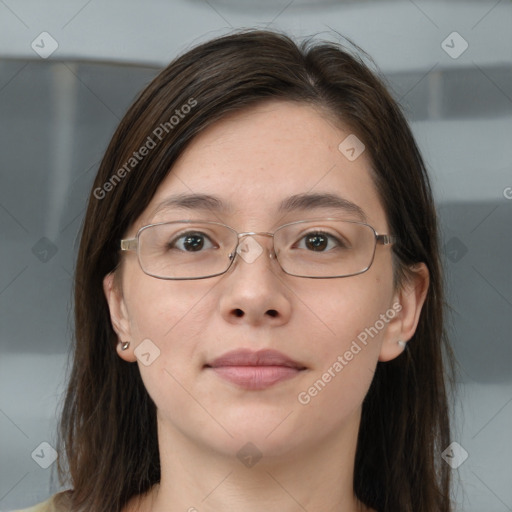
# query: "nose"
[254,291]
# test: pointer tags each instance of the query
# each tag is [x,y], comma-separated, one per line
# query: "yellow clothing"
[45,506]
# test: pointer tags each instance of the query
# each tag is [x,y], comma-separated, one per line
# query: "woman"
[258,296]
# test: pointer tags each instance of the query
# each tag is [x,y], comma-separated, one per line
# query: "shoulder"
[50,505]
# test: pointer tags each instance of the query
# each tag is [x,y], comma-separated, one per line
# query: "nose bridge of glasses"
[242,236]
[252,233]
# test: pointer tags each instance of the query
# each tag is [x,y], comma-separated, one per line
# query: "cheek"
[339,311]
[162,310]
[172,316]
[167,319]
[346,354]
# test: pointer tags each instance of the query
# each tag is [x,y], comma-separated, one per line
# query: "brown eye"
[316,242]
[321,241]
[190,242]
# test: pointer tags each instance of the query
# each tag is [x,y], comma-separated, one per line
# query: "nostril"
[239,312]
[272,312]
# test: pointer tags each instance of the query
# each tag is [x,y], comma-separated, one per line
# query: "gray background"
[57,115]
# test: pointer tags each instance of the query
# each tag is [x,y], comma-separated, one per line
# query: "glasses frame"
[133,244]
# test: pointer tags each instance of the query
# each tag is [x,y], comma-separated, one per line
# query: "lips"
[260,358]
[255,370]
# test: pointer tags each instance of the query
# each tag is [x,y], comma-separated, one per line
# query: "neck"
[196,478]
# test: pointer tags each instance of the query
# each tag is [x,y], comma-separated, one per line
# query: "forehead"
[275,160]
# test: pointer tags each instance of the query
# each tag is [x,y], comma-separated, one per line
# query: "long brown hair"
[108,425]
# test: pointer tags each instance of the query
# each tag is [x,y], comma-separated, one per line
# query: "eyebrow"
[297,202]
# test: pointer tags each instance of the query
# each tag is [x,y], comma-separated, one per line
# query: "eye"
[191,241]
[319,241]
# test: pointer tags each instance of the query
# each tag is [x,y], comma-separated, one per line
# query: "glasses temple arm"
[386,239]
[129,244]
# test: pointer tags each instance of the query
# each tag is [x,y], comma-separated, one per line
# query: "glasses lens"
[185,249]
[325,248]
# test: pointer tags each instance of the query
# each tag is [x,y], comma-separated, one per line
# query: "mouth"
[255,370]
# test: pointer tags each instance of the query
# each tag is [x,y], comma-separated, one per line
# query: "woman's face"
[253,161]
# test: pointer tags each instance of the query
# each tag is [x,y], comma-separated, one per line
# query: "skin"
[254,159]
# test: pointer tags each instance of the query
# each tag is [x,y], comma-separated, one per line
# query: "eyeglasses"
[315,248]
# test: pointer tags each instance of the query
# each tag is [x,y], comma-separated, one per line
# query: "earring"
[402,343]
[125,345]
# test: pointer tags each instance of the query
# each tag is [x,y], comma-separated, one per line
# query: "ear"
[407,302]
[119,316]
